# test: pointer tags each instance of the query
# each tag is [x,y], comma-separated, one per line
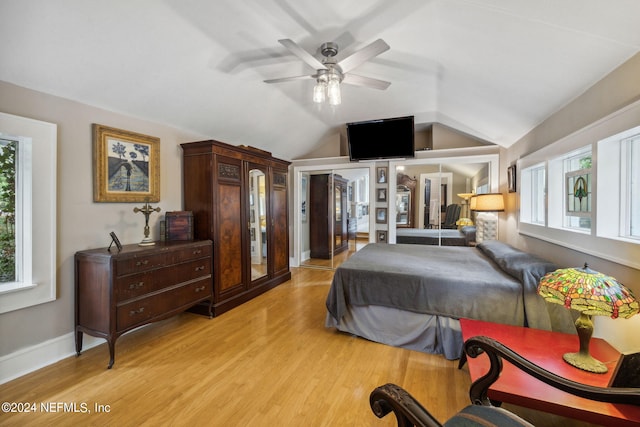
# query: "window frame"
[36,207]
[608,245]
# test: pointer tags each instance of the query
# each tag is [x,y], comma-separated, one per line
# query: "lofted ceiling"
[493,69]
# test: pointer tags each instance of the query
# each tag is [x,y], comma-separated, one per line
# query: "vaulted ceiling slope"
[490,68]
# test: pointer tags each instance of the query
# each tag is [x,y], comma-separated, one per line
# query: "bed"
[419,236]
[413,296]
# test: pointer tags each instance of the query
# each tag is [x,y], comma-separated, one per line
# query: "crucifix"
[146,210]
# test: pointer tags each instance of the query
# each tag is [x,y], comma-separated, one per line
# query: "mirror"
[258,224]
[436,186]
[403,207]
[334,215]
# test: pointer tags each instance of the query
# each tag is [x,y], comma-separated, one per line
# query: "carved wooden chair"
[409,412]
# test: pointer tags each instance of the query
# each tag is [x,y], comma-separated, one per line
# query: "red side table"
[545,348]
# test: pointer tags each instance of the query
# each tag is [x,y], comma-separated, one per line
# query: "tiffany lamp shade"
[592,294]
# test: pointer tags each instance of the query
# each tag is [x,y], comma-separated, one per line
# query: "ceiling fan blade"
[353,79]
[363,55]
[302,54]
[288,79]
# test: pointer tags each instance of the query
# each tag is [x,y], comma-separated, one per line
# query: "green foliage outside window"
[7,211]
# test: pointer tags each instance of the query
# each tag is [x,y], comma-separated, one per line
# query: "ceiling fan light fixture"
[319,92]
[333,90]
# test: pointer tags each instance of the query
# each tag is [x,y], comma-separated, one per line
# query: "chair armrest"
[496,352]
[408,411]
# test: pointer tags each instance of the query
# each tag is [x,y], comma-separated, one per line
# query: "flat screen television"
[381,139]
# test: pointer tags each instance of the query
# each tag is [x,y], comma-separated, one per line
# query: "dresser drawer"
[141,263]
[134,285]
[142,310]
[188,254]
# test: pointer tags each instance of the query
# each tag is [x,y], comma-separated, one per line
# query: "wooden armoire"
[238,196]
[327,215]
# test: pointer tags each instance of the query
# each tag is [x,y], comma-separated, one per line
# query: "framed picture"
[382,194]
[381,215]
[126,166]
[381,236]
[114,239]
[382,175]
[511,178]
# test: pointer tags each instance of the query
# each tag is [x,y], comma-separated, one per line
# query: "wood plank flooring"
[269,362]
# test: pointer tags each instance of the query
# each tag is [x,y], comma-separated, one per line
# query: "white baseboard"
[32,358]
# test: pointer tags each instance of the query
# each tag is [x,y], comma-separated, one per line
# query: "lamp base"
[585,362]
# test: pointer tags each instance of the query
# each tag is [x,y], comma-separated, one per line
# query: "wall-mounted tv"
[381,139]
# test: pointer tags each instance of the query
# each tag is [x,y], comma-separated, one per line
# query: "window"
[8,163]
[28,204]
[532,201]
[619,185]
[592,189]
[632,228]
[577,196]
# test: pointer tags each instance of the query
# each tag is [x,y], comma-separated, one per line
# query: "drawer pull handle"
[200,288]
[136,285]
[199,268]
[143,262]
[138,311]
[197,251]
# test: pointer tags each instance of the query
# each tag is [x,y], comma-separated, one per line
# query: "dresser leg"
[78,342]
[112,352]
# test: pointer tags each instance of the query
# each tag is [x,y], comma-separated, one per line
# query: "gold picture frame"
[126,166]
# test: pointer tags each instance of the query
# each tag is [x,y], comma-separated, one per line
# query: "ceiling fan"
[330,73]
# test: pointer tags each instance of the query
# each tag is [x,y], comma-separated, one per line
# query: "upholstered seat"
[409,412]
[451,215]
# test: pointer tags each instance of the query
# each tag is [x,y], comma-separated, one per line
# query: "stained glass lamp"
[592,294]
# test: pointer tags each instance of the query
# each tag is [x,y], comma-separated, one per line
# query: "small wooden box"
[179,225]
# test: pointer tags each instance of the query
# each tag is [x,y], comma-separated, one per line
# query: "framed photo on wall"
[382,194]
[381,215]
[381,236]
[126,166]
[381,175]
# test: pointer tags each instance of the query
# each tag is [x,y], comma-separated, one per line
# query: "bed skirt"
[399,328]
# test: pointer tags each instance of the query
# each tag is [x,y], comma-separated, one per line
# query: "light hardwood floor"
[269,362]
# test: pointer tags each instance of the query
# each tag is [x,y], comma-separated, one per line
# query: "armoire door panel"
[229,237]
[280,241]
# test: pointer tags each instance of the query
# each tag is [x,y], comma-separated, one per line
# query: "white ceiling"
[490,68]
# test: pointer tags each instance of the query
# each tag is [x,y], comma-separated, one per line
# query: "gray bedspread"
[493,282]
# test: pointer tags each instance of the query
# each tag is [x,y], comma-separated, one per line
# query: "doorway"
[331,218]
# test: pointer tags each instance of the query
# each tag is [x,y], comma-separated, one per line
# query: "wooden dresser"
[120,291]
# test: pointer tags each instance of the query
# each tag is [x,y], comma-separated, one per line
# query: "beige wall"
[83,224]
[617,90]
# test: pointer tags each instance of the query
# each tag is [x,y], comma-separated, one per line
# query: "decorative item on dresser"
[238,196]
[117,292]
